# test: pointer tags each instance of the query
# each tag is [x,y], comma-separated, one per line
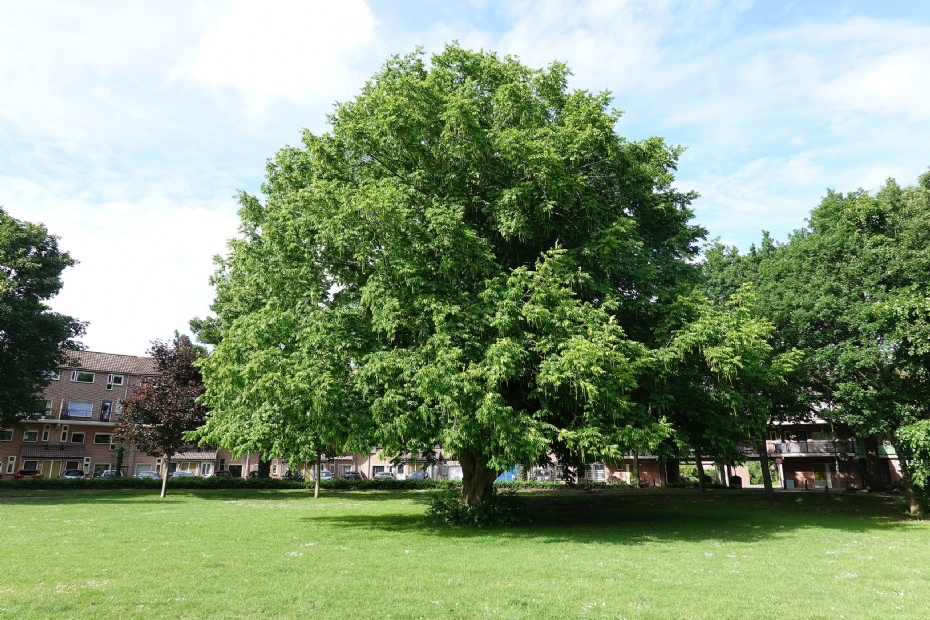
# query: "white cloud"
[70,72]
[144,263]
[287,49]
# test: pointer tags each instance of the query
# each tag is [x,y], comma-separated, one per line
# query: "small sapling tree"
[161,410]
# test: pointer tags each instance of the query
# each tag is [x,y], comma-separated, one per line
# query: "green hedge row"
[274,483]
[193,482]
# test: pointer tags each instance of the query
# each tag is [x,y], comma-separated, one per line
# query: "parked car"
[383,474]
[222,474]
[73,474]
[148,474]
[326,475]
[111,473]
[182,473]
[27,473]
[417,475]
[351,475]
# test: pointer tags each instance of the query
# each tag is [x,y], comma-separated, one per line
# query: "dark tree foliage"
[158,413]
[33,339]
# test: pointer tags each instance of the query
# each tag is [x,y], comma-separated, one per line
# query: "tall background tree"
[717,378]
[849,290]
[33,339]
[157,414]
[471,258]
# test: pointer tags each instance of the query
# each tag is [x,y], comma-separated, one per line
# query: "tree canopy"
[850,291]
[34,341]
[470,258]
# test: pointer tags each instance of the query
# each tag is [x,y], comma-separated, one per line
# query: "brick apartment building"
[82,408]
[76,430]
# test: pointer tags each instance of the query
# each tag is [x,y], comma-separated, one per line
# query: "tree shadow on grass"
[638,518]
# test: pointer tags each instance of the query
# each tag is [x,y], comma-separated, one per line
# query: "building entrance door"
[822,475]
[51,469]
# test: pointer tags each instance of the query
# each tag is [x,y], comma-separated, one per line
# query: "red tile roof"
[195,455]
[111,362]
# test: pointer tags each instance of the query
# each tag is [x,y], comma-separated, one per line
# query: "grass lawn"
[632,554]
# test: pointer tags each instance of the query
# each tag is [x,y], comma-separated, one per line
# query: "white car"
[326,475]
[383,474]
[148,474]
[182,473]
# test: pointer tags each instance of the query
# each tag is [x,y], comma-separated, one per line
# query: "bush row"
[274,483]
[192,482]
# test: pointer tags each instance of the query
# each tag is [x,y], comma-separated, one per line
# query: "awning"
[195,455]
[46,451]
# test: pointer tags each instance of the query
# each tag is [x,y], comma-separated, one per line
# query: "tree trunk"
[164,478]
[477,478]
[702,478]
[873,463]
[912,505]
[316,482]
[766,472]
[264,467]
[636,469]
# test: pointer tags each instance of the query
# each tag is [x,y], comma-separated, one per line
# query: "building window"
[11,465]
[6,434]
[80,409]
[54,375]
[48,407]
[69,465]
[274,467]
[105,409]
[46,431]
[31,436]
[82,377]
[158,465]
[77,437]
[33,465]
[86,464]
[64,435]
[103,438]
[114,380]
[206,469]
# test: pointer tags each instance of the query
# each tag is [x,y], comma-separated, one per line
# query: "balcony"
[883,450]
[810,446]
[95,416]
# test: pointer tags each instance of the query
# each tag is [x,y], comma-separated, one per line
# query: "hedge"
[192,482]
[388,484]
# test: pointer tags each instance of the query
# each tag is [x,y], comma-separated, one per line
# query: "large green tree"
[33,339]
[850,291]
[719,378]
[470,258]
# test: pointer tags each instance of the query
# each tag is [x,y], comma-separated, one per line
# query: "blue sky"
[127,127]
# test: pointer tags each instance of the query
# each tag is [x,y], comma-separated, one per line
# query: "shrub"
[193,482]
[499,509]
[755,472]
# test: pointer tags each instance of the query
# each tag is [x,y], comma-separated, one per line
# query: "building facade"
[82,407]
